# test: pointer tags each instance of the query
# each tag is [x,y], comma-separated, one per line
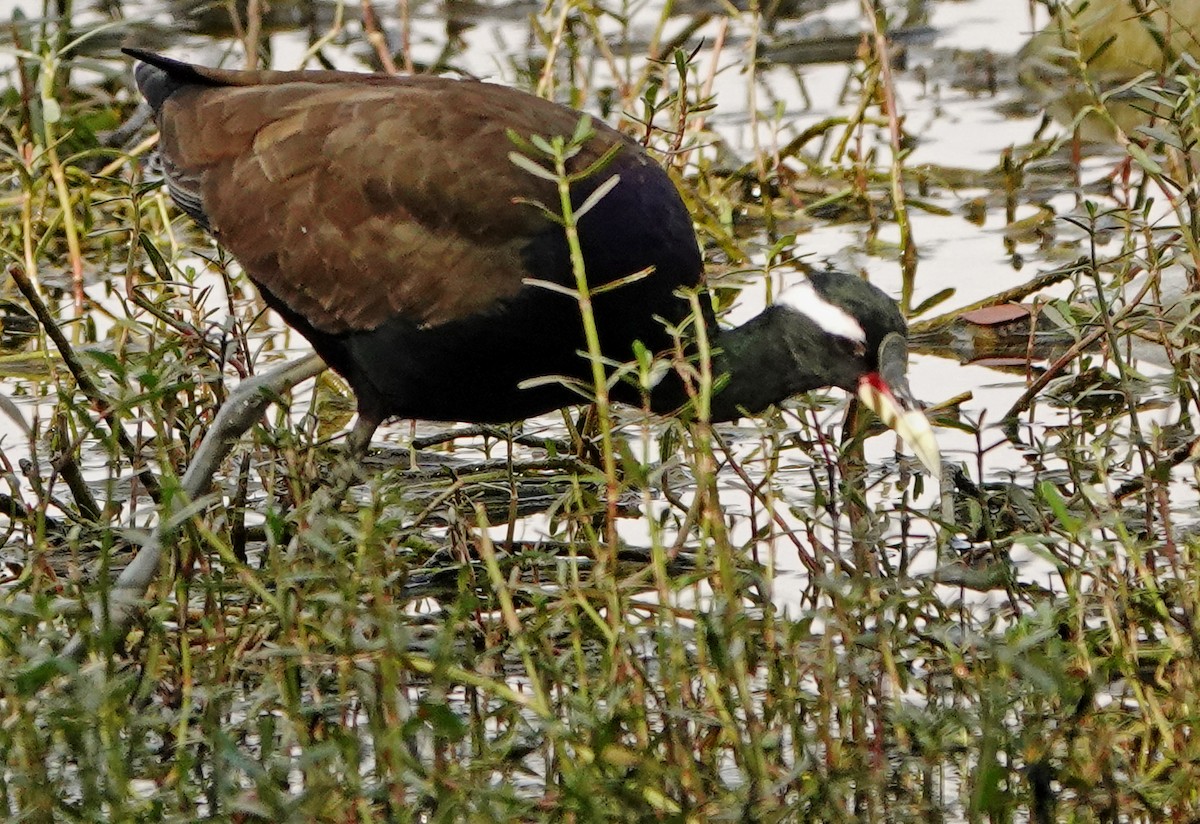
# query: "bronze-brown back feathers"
[356,198]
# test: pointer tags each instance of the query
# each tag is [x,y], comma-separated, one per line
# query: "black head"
[852,319]
[863,348]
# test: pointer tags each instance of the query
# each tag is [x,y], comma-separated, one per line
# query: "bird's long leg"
[347,467]
[359,439]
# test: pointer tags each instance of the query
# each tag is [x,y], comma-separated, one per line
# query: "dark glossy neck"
[772,357]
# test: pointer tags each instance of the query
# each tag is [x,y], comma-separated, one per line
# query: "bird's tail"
[159,77]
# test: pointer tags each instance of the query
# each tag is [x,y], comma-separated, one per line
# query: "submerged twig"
[1162,467]
[244,406]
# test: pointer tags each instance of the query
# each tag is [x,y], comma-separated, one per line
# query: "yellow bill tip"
[901,415]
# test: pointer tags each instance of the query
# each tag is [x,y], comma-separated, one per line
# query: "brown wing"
[353,202]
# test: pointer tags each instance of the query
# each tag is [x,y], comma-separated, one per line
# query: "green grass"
[392,654]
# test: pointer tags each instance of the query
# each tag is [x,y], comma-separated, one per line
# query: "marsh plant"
[607,616]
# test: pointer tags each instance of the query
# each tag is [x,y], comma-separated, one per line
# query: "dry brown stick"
[1022,403]
[253,29]
[887,83]
[756,490]
[377,39]
[83,380]
[1015,294]
[65,464]
[1052,372]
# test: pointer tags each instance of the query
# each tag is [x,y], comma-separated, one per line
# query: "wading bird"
[407,228]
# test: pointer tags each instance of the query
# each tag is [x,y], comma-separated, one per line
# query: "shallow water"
[957,128]
[962,133]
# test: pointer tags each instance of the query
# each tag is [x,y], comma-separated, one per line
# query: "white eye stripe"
[806,300]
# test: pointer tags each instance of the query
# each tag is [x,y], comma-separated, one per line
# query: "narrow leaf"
[603,161]
[529,165]
[552,286]
[583,130]
[619,282]
[596,196]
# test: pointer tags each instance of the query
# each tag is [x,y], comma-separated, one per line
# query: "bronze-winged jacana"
[384,219]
